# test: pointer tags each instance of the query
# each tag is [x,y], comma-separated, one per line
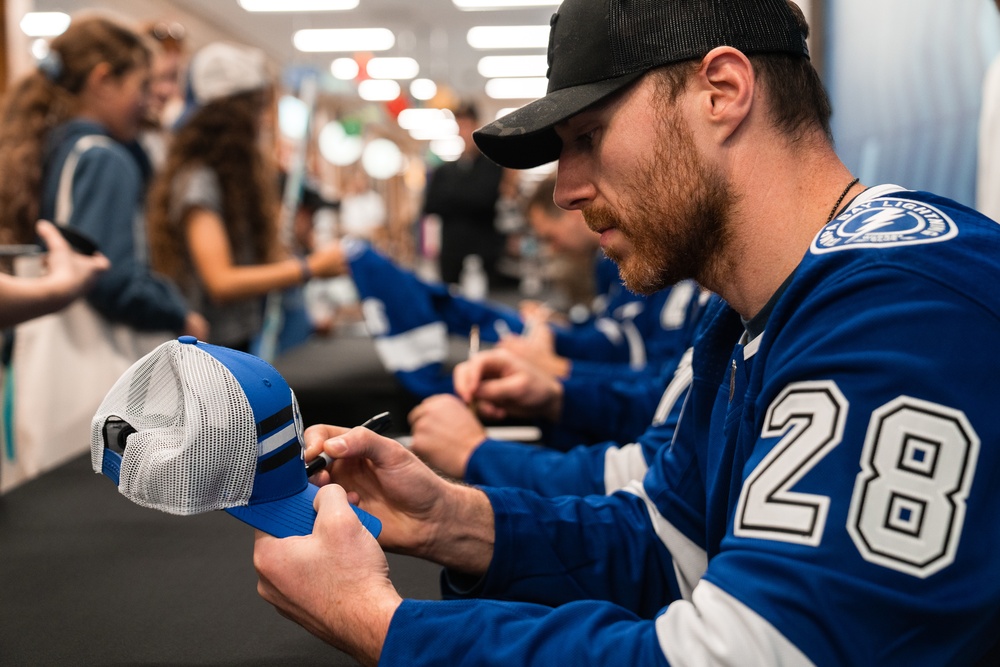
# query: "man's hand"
[422,514]
[504,385]
[538,347]
[334,583]
[445,433]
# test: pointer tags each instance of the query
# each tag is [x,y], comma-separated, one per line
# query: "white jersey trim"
[622,465]
[717,629]
[679,383]
[675,310]
[413,349]
[690,560]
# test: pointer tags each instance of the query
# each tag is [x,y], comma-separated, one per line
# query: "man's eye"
[587,138]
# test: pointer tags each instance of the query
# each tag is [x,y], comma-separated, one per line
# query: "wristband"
[306,271]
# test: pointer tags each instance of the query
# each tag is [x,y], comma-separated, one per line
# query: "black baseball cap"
[597,47]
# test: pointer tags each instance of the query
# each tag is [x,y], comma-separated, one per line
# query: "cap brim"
[526,138]
[285,517]
[293,515]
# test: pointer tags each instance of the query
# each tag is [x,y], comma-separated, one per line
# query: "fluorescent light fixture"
[516,89]
[503,112]
[479,5]
[392,68]
[428,124]
[338,147]
[382,159]
[449,149]
[297,5]
[44,24]
[345,69]
[410,119]
[39,48]
[508,37]
[317,40]
[378,90]
[293,117]
[423,89]
[493,67]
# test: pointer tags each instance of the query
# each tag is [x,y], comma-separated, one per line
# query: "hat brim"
[526,138]
[293,515]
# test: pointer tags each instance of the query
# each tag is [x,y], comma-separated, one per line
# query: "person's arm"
[600,468]
[69,275]
[224,280]
[612,406]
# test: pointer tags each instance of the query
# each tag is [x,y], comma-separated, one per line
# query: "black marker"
[378,424]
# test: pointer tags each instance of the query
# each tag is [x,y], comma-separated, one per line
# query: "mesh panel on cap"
[195,446]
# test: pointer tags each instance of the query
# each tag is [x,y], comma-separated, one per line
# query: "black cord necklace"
[843,194]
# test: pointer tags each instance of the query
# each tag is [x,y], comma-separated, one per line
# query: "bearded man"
[829,495]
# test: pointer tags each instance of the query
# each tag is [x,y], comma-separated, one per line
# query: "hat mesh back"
[195,449]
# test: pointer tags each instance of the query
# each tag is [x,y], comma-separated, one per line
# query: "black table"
[89,578]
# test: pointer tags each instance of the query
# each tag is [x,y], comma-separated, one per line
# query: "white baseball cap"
[193,427]
[222,69]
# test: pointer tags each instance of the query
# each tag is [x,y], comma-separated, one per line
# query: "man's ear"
[726,79]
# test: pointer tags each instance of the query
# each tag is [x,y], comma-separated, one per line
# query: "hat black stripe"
[275,421]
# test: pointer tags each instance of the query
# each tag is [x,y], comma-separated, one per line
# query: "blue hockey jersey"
[830,496]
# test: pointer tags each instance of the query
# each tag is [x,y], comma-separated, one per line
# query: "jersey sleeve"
[545,471]
[601,468]
[557,550]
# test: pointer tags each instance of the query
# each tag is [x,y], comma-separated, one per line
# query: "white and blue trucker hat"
[193,427]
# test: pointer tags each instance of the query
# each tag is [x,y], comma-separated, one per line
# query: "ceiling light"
[505,111]
[423,89]
[409,119]
[297,5]
[514,89]
[449,149]
[378,90]
[382,159]
[508,37]
[338,147]
[44,24]
[492,67]
[345,69]
[392,68]
[293,117]
[314,40]
[477,5]
[428,124]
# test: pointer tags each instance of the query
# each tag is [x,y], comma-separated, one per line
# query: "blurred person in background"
[214,210]
[166,42]
[362,209]
[68,153]
[77,116]
[464,194]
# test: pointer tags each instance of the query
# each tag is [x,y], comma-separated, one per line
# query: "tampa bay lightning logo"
[885,222]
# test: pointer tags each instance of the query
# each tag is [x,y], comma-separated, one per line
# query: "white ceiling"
[431,31]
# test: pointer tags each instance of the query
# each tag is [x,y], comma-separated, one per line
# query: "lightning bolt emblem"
[881,219]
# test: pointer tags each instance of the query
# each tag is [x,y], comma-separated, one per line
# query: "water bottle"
[472,282]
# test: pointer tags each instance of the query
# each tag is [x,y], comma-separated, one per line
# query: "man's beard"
[673,213]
